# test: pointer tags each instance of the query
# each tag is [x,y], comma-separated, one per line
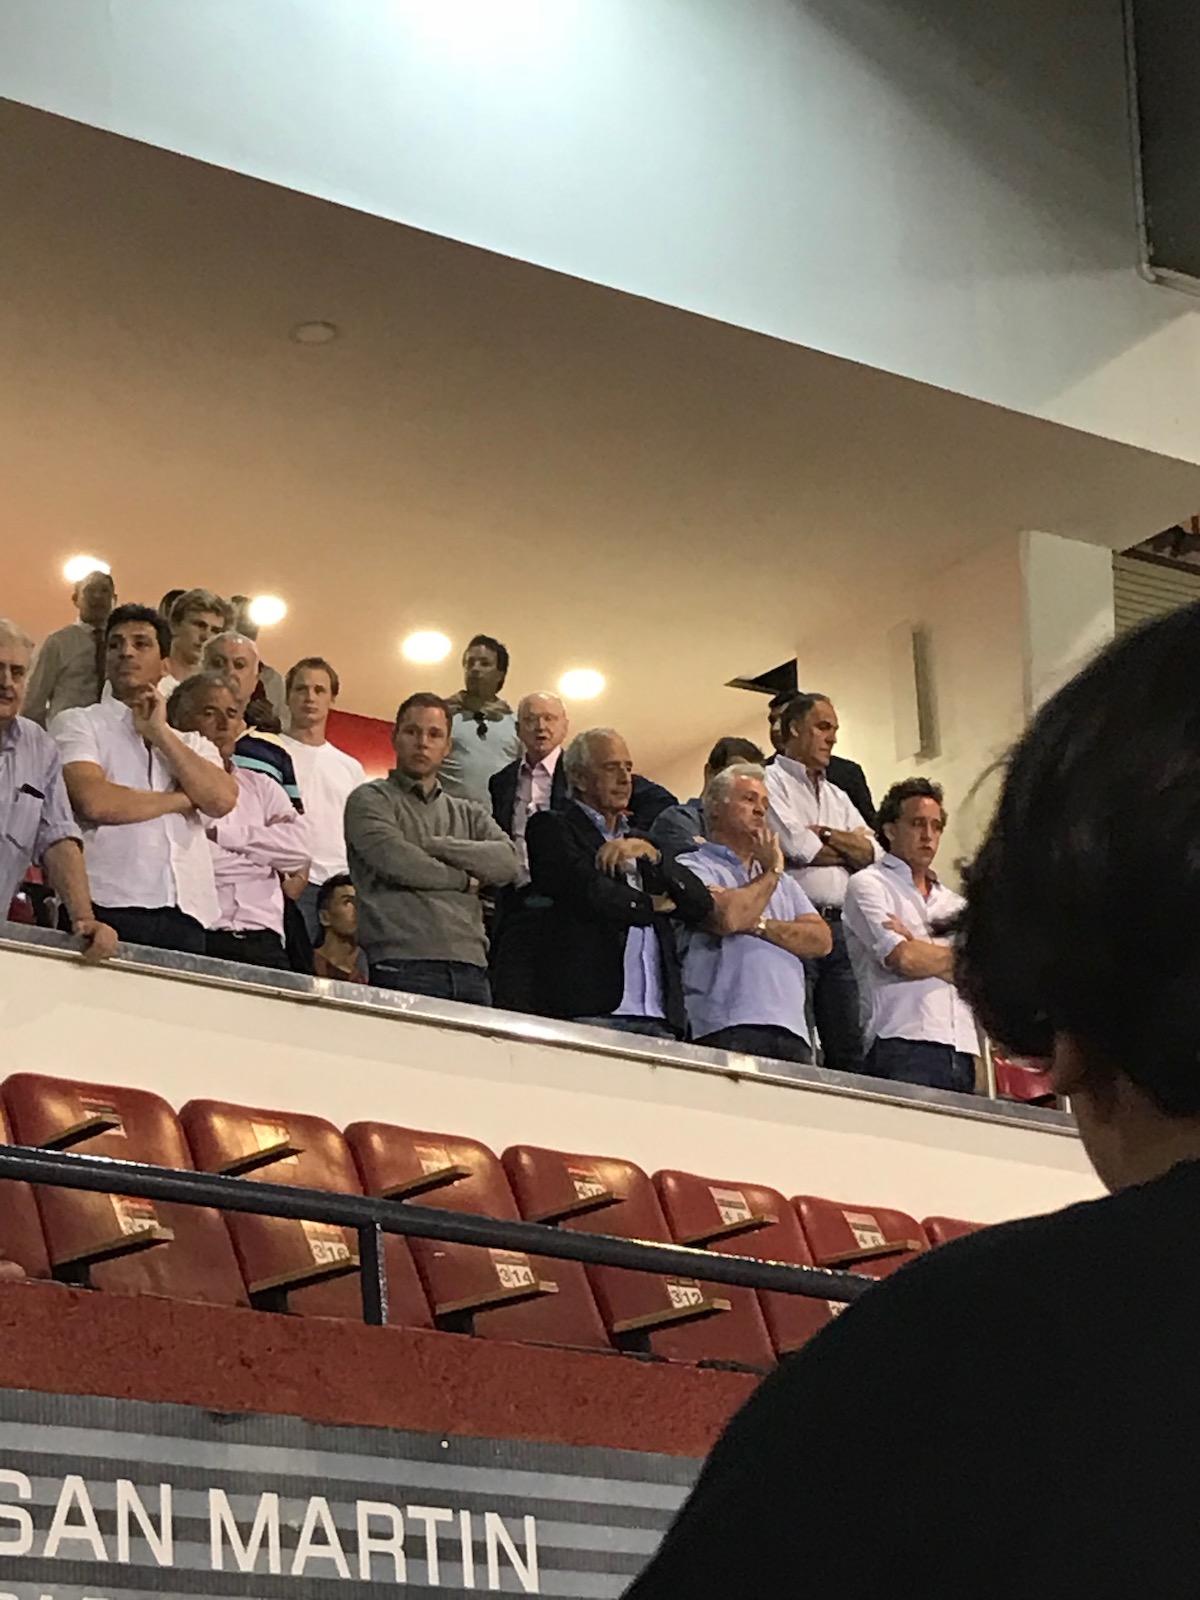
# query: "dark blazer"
[850,778]
[645,802]
[592,913]
[503,787]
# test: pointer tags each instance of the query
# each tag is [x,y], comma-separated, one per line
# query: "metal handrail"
[372,1218]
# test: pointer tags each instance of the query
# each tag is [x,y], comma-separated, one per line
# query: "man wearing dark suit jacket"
[845,775]
[609,953]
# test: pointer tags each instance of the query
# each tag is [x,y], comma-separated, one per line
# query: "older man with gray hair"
[610,949]
[36,820]
[743,970]
[235,657]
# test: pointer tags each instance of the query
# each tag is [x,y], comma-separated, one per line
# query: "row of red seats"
[131,1246]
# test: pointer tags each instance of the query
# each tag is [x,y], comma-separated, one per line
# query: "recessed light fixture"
[581,683]
[80,567]
[266,610]
[314,333]
[425,647]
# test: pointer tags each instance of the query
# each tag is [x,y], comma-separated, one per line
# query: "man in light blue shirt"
[743,971]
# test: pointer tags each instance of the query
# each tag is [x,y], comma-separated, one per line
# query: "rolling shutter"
[1145,589]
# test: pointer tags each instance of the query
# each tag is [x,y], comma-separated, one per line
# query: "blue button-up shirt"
[741,980]
[34,810]
[643,996]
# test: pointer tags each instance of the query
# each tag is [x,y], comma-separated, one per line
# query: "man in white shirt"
[536,781]
[260,842]
[917,1028]
[327,777]
[825,841]
[68,669]
[141,793]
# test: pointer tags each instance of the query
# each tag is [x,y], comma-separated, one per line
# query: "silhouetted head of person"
[1080,940]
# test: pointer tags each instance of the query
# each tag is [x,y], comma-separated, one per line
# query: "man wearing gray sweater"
[418,858]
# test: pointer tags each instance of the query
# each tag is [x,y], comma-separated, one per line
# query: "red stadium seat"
[940,1230]
[678,1319]
[498,1294]
[306,1267]
[21,1237]
[1019,1078]
[117,1243]
[747,1219]
[870,1241]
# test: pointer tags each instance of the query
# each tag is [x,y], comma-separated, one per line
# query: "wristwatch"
[760,927]
[823,834]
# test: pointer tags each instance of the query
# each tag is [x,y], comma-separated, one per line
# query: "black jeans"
[833,994]
[760,1039]
[937,1066]
[441,980]
[160,927]
[520,943]
[255,948]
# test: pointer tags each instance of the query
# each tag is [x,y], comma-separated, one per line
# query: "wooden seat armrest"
[576,1208]
[253,1159]
[439,1178]
[79,1131]
[123,1244]
[489,1299]
[669,1316]
[870,1252]
[730,1230]
[270,1289]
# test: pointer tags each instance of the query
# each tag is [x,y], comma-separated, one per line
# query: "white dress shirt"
[164,861]
[260,838]
[927,1009]
[798,801]
[535,785]
[327,777]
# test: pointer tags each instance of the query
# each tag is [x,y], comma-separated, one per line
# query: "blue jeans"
[760,1039]
[440,980]
[833,996]
[650,1027]
[937,1066]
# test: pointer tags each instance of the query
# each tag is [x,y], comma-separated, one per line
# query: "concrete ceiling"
[599,480]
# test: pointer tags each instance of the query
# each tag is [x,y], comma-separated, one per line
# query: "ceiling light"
[581,683]
[266,610]
[314,333]
[426,647]
[79,567]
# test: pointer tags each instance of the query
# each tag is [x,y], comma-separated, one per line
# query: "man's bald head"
[236,658]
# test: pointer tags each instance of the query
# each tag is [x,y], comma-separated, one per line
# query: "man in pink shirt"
[261,838]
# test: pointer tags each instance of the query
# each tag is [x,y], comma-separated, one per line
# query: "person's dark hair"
[1081,903]
[147,614]
[798,708]
[166,604]
[500,651]
[340,880]
[315,663]
[730,749]
[423,698]
[907,789]
[183,692]
[778,701]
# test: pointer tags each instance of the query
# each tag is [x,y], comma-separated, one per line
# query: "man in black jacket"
[610,955]
[538,782]
[845,775]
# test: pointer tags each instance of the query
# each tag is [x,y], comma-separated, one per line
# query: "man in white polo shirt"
[825,841]
[327,777]
[917,1029]
[141,792]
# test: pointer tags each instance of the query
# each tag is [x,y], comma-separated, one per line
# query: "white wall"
[942,190]
[973,612]
[1069,612]
[189,1040]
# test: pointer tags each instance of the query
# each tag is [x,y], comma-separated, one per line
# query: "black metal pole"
[102,1174]
[372,1272]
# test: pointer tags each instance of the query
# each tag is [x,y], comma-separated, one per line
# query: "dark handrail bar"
[373,1217]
